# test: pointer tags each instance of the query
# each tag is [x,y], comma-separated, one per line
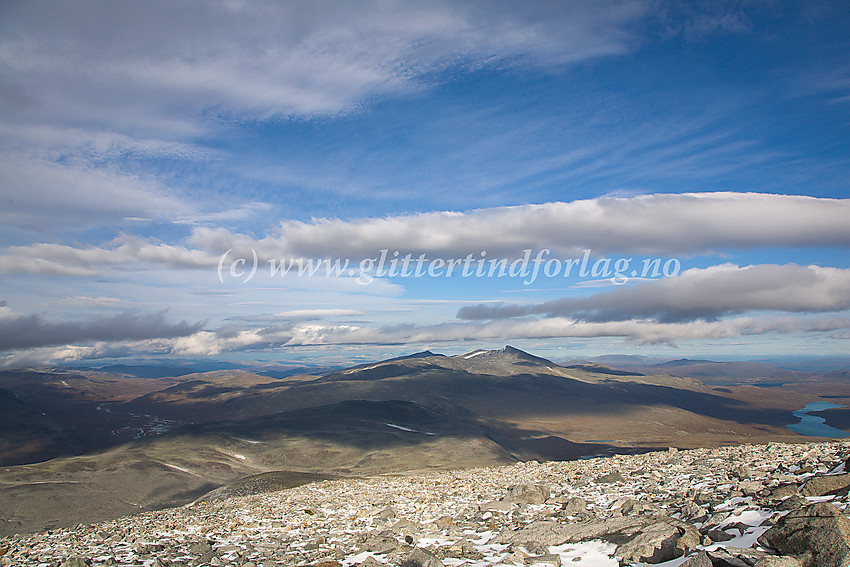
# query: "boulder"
[653,544]
[750,487]
[551,559]
[574,506]
[825,485]
[733,557]
[699,560]
[419,557]
[548,533]
[528,494]
[719,535]
[202,550]
[379,543]
[638,538]
[784,491]
[497,506]
[610,478]
[778,561]
[792,502]
[817,535]
[742,472]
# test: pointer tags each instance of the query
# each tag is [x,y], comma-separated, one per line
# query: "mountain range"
[84,445]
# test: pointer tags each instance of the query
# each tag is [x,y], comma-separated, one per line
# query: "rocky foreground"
[771,505]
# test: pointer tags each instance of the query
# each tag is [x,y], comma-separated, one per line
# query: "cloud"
[659,224]
[302,334]
[230,339]
[70,195]
[697,294]
[91,94]
[29,331]
[145,66]
[61,259]
[317,313]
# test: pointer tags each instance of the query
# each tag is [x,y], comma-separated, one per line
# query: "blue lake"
[813,425]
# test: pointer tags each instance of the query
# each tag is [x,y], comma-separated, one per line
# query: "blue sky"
[145,149]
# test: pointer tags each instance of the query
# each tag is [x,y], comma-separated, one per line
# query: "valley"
[86,445]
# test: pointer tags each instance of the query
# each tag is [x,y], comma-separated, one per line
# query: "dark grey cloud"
[31,331]
[697,294]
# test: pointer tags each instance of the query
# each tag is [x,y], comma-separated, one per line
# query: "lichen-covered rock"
[824,485]
[818,535]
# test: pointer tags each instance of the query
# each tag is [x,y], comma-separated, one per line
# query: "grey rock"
[379,543]
[792,503]
[750,487]
[548,533]
[699,560]
[497,506]
[610,478]
[719,535]
[639,538]
[549,558]
[734,557]
[528,493]
[818,535]
[405,527]
[825,485]
[574,505]
[777,561]
[729,558]
[76,561]
[653,544]
[784,491]
[742,472]
[515,558]
[421,558]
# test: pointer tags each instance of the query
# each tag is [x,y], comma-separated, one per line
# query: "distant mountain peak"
[507,352]
[685,362]
[422,354]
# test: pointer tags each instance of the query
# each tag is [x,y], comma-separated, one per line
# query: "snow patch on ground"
[402,428]
[593,553]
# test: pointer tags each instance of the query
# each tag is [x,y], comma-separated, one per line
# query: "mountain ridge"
[170,438]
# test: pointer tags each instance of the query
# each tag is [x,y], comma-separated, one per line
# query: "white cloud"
[60,259]
[301,334]
[698,293]
[660,224]
[143,66]
[210,343]
[43,195]
[317,313]
[87,86]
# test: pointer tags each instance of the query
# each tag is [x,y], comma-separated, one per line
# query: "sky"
[337,181]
